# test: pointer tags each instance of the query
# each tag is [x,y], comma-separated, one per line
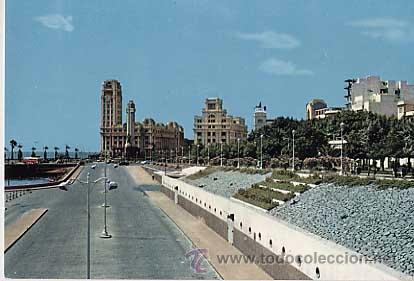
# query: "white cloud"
[276,66]
[271,40]
[56,21]
[388,29]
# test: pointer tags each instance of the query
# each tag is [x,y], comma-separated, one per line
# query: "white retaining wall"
[295,241]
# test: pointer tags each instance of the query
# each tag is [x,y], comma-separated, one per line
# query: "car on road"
[93,166]
[113,185]
[123,163]
[145,162]
[115,165]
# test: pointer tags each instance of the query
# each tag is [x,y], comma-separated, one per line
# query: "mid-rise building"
[385,97]
[215,126]
[318,109]
[378,96]
[405,110]
[313,106]
[133,139]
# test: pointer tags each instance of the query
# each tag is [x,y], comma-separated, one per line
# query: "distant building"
[327,112]
[375,95]
[313,106]
[215,126]
[259,116]
[405,110]
[132,139]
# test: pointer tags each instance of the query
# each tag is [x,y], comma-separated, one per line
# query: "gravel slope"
[227,183]
[373,222]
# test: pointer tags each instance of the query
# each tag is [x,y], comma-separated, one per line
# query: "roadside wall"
[51,184]
[260,233]
[157,177]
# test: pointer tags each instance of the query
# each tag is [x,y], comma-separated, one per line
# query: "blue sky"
[171,55]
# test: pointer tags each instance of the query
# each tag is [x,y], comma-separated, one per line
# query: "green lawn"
[262,197]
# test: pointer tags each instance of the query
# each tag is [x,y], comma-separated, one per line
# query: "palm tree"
[20,153]
[56,152]
[13,144]
[67,151]
[33,152]
[76,153]
[45,152]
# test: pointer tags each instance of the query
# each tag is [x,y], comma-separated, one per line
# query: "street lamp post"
[293,148]
[105,233]
[189,155]
[198,146]
[208,154]
[165,166]
[238,153]
[261,152]
[182,155]
[88,243]
[342,147]
[221,154]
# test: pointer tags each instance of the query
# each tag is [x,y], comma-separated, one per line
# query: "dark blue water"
[10,182]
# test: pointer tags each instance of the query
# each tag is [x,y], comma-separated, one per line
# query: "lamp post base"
[105,234]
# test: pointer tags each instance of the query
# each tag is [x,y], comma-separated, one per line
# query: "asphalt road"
[145,244]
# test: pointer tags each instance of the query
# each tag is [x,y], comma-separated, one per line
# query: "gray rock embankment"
[376,223]
[227,183]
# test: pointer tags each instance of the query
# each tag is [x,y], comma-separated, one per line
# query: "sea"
[11,182]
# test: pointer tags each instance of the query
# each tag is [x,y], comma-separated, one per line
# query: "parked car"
[123,163]
[115,165]
[93,166]
[145,162]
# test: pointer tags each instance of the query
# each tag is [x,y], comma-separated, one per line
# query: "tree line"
[367,136]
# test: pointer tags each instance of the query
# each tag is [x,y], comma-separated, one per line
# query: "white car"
[113,185]
[93,166]
[115,165]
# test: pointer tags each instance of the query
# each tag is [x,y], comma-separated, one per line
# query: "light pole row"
[104,234]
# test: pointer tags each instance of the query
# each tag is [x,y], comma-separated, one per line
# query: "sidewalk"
[203,237]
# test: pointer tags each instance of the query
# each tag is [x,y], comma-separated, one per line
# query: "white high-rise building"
[376,95]
[259,116]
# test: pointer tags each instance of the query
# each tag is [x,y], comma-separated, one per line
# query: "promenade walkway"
[201,235]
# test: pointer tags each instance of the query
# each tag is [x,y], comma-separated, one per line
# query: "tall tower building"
[130,122]
[111,111]
[259,116]
[133,139]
